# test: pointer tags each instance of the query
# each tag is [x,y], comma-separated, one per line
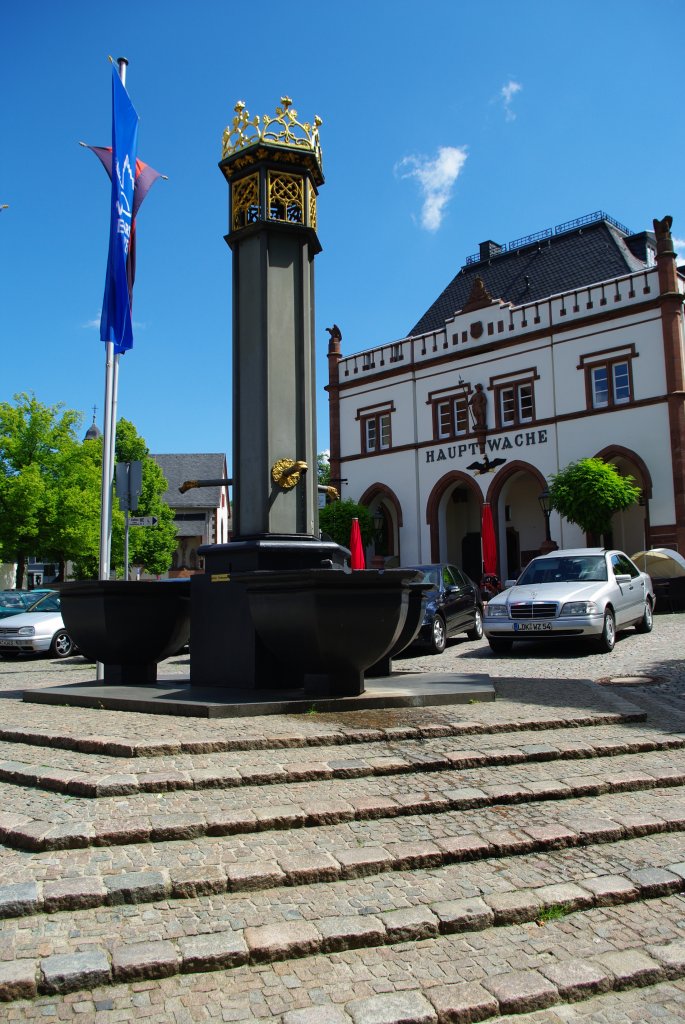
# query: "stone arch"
[512,547]
[433,504]
[630,529]
[617,451]
[501,477]
[384,497]
[379,490]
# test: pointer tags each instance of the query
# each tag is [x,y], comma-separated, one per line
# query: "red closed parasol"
[357,561]
[487,534]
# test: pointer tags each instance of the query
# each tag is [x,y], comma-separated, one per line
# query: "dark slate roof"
[179,468]
[594,252]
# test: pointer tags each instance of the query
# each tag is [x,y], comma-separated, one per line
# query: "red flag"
[357,561]
[487,535]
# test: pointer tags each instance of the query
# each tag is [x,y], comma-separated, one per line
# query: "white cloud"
[436,179]
[679,246]
[507,94]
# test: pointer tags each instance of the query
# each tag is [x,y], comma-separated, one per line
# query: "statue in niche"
[479,405]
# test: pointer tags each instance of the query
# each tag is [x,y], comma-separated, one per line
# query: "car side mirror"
[452,589]
[509,583]
[623,577]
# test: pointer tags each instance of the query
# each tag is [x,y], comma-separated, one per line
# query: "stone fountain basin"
[122,622]
[332,622]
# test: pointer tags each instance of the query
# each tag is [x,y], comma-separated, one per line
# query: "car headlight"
[27,631]
[495,611]
[580,608]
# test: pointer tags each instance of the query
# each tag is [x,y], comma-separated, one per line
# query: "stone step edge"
[62,973]
[39,836]
[23,899]
[118,747]
[73,782]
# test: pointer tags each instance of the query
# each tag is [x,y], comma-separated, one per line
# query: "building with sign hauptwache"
[562,345]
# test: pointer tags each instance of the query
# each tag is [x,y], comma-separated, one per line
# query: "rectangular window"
[515,403]
[452,417]
[609,377]
[610,384]
[376,432]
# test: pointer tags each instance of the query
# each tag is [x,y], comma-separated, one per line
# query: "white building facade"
[575,336]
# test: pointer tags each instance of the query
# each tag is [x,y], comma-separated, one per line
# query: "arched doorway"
[386,512]
[453,513]
[519,522]
[630,528]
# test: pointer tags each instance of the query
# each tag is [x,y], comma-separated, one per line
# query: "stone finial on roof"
[479,297]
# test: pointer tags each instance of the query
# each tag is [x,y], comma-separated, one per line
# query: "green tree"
[323,469]
[589,492]
[336,521]
[151,547]
[37,443]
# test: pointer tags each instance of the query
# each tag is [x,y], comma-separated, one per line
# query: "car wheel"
[647,621]
[607,640]
[62,645]
[476,633]
[438,635]
[500,646]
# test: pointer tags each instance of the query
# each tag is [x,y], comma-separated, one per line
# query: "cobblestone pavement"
[522,860]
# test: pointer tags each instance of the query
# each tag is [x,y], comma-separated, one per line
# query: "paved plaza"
[521,860]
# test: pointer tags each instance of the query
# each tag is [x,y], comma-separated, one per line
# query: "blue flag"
[115,323]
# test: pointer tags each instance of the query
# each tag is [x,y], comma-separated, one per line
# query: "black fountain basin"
[331,626]
[412,625]
[129,626]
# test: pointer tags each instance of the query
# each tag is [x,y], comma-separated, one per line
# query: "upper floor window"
[452,417]
[515,399]
[608,377]
[376,433]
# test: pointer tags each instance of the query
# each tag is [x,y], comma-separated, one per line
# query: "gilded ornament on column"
[281,130]
[245,201]
[286,197]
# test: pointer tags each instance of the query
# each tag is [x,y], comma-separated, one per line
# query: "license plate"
[531,627]
[10,643]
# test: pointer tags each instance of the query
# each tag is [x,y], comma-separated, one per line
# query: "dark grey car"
[454,605]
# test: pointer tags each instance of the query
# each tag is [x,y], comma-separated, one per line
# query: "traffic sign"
[143,520]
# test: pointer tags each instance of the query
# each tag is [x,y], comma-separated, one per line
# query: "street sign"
[128,482]
[143,520]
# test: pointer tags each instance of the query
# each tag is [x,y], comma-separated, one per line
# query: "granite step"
[557,953]
[323,733]
[92,777]
[57,822]
[453,869]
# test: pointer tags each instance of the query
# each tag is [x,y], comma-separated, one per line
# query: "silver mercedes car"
[583,592]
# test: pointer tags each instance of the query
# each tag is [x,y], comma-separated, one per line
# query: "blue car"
[13,602]
[453,605]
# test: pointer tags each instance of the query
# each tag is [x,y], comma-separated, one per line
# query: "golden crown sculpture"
[281,130]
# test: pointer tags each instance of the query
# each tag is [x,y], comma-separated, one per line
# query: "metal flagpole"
[108,440]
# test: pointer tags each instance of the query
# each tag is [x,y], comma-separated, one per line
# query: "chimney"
[489,249]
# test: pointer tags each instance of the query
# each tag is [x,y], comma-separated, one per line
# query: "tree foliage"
[50,492]
[44,478]
[336,521]
[589,492]
[323,469]
[153,547]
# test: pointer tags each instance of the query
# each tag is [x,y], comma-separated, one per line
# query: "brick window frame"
[375,425]
[450,413]
[514,398]
[612,370]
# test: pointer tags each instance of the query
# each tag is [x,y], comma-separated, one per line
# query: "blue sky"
[445,123]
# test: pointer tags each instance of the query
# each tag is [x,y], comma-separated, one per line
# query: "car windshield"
[431,574]
[567,569]
[46,603]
